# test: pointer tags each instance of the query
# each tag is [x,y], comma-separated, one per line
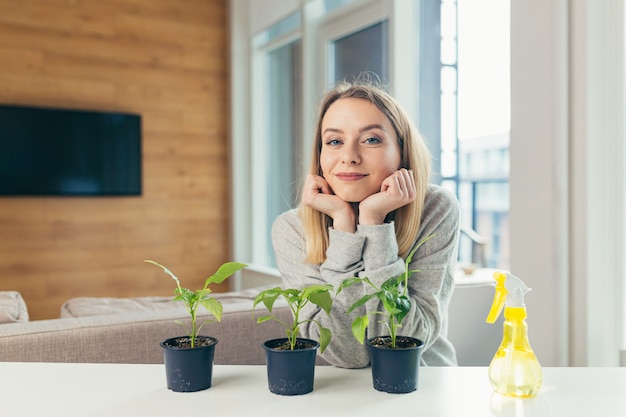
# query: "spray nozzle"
[510,290]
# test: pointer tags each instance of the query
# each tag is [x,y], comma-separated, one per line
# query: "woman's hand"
[318,195]
[397,190]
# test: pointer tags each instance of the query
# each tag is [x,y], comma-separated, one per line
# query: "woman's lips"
[350,176]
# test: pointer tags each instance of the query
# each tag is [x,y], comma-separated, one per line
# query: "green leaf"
[410,257]
[322,299]
[404,306]
[361,301]
[193,299]
[224,271]
[202,325]
[167,271]
[315,289]
[392,283]
[348,283]
[185,295]
[413,271]
[325,336]
[359,325]
[263,319]
[214,307]
[269,301]
[297,299]
[390,302]
[292,295]
[267,297]
[266,293]
[201,294]
[419,244]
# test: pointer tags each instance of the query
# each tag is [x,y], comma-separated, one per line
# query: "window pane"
[330,5]
[484,86]
[448,32]
[284,165]
[483,120]
[359,52]
[492,219]
[448,121]
[448,51]
[448,164]
[448,19]
[288,24]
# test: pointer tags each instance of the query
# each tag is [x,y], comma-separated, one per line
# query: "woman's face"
[359,149]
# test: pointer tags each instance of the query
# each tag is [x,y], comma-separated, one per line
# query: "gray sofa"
[128,330]
[114,330]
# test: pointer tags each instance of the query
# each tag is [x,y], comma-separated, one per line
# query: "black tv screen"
[62,152]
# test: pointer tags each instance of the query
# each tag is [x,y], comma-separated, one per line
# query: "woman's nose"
[350,156]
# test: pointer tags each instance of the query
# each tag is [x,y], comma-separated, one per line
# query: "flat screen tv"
[63,152]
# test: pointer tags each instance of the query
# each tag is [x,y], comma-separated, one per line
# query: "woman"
[366,202]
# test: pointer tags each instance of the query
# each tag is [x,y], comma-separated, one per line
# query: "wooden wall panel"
[166,60]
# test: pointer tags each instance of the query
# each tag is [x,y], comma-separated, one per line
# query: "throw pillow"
[12,307]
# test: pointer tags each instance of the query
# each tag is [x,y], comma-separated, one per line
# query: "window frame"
[259,232]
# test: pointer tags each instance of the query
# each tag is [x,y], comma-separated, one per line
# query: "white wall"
[567,182]
[597,181]
[264,13]
[538,179]
[239,129]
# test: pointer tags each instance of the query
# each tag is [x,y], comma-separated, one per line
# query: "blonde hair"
[414,155]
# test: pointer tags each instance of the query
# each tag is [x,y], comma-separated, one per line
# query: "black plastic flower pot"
[188,369]
[395,370]
[290,372]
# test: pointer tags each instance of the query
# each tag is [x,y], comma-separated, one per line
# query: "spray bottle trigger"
[499,297]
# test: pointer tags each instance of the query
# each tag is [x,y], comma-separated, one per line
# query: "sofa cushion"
[12,307]
[100,306]
[97,306]
[134,337]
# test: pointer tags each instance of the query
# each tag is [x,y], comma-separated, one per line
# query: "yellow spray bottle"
[514,370]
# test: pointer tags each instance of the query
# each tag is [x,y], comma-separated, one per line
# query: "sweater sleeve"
[431,287]
[344,260]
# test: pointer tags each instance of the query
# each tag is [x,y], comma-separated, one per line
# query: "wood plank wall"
[166,60]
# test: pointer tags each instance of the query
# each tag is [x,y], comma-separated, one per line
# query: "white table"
[49,389]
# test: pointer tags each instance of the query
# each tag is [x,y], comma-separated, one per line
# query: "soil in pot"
[189,369]
[402,342]
[395,370]
[290,372]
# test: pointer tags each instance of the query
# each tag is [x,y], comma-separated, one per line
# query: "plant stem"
[292,338]
[193,328]
[406,278]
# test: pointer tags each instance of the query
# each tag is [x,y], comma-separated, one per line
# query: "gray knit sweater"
[373,252]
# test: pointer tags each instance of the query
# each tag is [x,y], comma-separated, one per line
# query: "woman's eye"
[333,142]
[372,141]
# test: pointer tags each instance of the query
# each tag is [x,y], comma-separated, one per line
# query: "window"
[276,144]
[475,122]
[284,109]
[362,51]
[295,59]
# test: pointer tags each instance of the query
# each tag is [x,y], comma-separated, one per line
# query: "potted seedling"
[189,359]
[394,358]
[291,360]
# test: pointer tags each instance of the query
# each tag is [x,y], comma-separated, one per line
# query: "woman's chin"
[351,197]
